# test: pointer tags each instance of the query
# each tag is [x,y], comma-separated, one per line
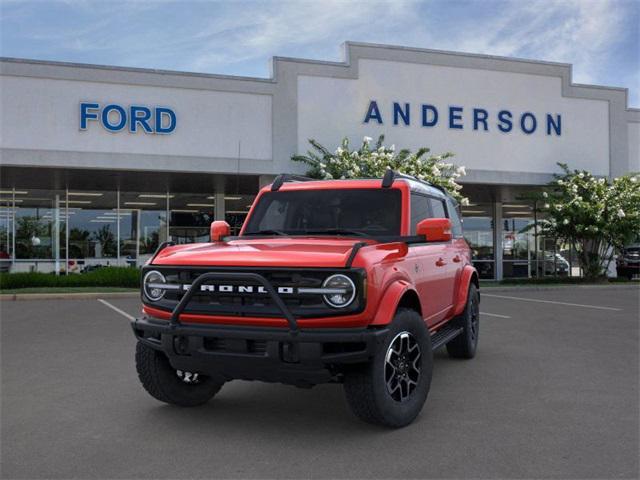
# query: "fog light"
[343,291]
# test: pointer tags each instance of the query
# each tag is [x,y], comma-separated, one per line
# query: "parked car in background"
[554,264]
[628,262]
[5,261]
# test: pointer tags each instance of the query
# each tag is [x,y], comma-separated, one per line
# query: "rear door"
[459,247]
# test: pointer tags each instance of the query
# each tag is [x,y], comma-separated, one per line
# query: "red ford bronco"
[348,281]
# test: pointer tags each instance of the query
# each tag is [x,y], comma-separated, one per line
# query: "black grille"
[305,305]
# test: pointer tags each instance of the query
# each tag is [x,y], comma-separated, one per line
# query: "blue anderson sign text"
[459,118]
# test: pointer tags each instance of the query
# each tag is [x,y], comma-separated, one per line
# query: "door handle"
[457,259]
[440,262]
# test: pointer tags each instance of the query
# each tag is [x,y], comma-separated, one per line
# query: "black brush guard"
[293,356]
[205,277]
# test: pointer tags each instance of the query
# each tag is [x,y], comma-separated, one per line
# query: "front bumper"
[296,356]
[304,357]
[628,268]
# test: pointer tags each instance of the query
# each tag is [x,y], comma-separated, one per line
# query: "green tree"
[595,215]
[372,161]
[107,239]
[28,228]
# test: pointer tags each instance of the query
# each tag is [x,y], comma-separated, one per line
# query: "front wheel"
[164,383]
[392,388]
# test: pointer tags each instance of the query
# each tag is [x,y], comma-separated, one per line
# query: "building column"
[219,189]
[265,180]
[66,231]
[56,234]
[219,206]
[13,228]
[118,262]
[497,239]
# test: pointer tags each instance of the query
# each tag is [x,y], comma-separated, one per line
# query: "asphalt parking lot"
[552,393]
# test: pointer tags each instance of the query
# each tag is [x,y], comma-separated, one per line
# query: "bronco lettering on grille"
[240,289]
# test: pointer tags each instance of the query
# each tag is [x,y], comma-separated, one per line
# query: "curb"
[66,296]
[534,288]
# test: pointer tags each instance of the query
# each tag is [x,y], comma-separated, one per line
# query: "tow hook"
[289,352]
[181,345]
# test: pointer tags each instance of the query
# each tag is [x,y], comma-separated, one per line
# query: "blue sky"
[601,38]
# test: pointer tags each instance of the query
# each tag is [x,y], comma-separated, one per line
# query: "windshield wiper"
[335,231]
[266,232]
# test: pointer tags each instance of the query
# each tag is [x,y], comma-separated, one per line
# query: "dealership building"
[100,164]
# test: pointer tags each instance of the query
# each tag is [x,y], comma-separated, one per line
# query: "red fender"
[463,289]
[389,302]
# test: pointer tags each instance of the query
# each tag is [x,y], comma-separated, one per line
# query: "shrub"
[372,161]
[125,277]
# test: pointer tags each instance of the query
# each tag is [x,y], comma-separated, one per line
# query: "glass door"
[478,227]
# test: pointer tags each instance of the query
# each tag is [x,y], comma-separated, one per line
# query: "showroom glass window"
[236,210]
[191,215]
[92,231]
[144,224]
[518,240]
[478,230]
[38,225]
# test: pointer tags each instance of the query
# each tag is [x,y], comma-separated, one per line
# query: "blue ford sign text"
[134,118]
[459,118]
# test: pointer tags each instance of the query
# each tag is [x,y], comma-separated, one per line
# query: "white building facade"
[100,164]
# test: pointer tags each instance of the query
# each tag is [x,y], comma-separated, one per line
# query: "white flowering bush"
[373,160]
[595,215]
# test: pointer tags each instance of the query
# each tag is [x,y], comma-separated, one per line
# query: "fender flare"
[389,302]
[469,274]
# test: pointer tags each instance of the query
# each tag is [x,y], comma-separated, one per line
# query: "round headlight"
[152,285]
[343,290]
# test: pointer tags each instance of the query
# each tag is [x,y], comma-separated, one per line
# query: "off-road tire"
[162,382]
[365,386]
[466,344]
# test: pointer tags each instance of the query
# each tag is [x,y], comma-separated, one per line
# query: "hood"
[269,252]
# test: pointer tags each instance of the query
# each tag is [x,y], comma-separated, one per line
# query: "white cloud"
[257,33]
[580,32]
[239,37]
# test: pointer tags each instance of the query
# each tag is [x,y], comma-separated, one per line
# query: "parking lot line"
[116,309]
[494,315]
[553,302]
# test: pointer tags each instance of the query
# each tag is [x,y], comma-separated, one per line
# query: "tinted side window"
[419,210]
[456,223]
[437,207]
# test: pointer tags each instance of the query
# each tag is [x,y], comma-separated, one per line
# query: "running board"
[444,336]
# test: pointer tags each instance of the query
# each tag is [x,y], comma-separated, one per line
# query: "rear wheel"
[165,383]
[392,388]
[465,344]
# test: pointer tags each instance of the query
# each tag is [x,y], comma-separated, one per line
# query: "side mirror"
[435,229]
[219,230]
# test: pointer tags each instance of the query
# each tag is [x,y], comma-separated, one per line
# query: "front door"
[434,268]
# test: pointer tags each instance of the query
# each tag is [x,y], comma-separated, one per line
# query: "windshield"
[358,212]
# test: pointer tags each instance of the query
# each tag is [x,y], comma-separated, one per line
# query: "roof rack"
[390,175]
[287,177]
